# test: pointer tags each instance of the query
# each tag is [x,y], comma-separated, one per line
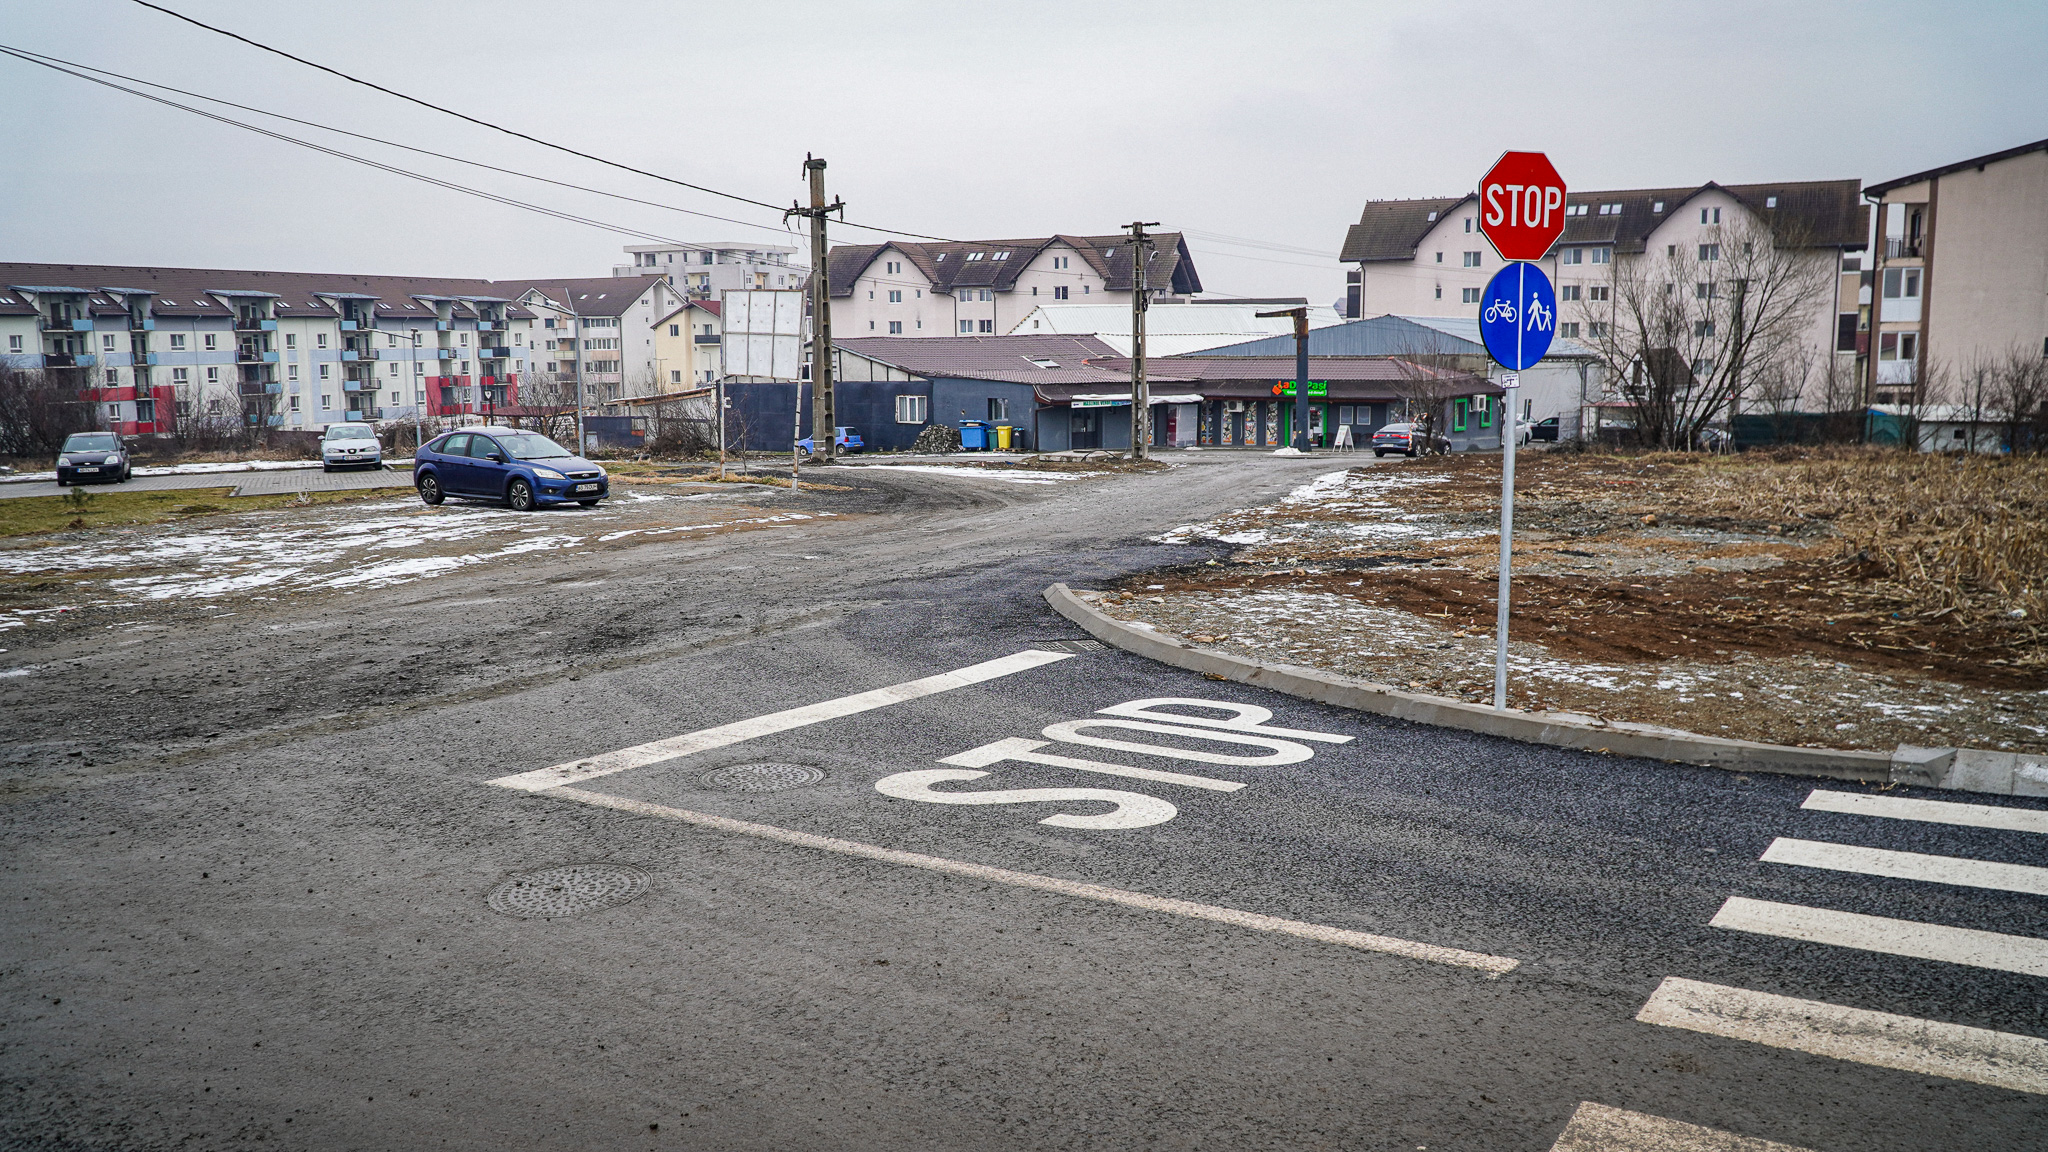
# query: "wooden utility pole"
[824,419]
[1301,439]
[1141,391]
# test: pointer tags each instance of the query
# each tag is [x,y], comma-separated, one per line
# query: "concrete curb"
[1964,769]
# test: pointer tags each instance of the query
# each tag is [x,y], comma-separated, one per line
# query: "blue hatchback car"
[523,469]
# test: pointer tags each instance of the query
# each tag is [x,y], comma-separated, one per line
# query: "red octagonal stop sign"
[1521,205]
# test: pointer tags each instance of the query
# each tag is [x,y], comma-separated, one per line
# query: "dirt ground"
[1715,595]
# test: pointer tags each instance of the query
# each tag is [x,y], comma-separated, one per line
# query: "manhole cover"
[762,777]
[567,890]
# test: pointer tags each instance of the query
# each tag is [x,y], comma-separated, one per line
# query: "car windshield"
[350,432]
[92,442]
[531,446]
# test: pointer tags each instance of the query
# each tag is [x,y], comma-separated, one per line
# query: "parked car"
[523,469]
[1407,439]
[843,439]
[350,446]
[89,456]
[1544,430]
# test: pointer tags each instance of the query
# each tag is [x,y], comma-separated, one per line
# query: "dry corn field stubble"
[1836,597]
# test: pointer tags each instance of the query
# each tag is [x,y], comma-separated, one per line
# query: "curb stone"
[1960,769]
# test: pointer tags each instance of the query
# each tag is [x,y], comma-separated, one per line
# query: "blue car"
[523,469]
[843,440]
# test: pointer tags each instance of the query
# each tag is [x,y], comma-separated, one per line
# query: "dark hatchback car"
[89,456]
[523,469]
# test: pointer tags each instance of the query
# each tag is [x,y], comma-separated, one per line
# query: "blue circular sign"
[1518,315]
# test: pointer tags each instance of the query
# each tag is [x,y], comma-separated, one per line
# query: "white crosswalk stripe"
[1908,865]
[1887,1040]
[1599,1128]
[2027,955]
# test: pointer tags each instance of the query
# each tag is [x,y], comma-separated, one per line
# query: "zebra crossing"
[1906,1043]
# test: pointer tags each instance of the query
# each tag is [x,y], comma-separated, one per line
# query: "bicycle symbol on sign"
[1501,310]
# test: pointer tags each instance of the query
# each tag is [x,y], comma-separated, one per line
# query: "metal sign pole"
[1507,496]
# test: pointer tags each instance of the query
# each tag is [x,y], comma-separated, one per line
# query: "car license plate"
[586,487]
[88,468]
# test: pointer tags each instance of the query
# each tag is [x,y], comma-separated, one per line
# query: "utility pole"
[1141,391]
[1301,440]
[824,420]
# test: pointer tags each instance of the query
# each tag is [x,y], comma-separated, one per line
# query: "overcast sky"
[1271,122]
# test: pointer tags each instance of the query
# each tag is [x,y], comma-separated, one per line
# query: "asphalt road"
[247,865]
[246,483]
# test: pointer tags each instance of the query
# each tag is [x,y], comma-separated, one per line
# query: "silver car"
[350,446]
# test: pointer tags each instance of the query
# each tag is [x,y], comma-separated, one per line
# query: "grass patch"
[83,510]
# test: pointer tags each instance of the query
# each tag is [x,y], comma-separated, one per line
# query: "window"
[1569,330]
[1770,201]
[1709,253]
[180,376]
[1059,262]
[675,329]
[974,255]
[1601,255]
[1671,250]
[1597,292]
[1485,406]
[212,342]
[1059,292]
[1706,291]
[896,296]
[675,376]
[295,403]
[419,368]
[14,344]
[1461,410]
[1568,292]
[1702,329]
[705,257]
[1471,259]
[394,368]
[966,326]
[998,409]
[213,375]
[107,343]
[987,326]
[1469,295]
[1702,368]
[1439,291]
[892,267]
[1595,329]
[1657,207]
[462,338]
[910,409]
[291,373]
[895,327]
[319,339]
[326,401]
[1439,257]
[324,371]
[1000,256]
[1468,223]
[1714,213]
[1573,256]
[1901,282]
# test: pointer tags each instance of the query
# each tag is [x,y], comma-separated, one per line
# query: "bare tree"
[37,412]
[2021,388]
[547,403]
[1694,328]
[1432,372]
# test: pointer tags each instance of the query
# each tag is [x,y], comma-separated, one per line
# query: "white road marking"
[1247,718]
[1133,809]
[640,755]
[1905,1043]
[1017,748]
[1908,865]
[2027,955]
[1598,1128]
[1283,751]
[1364,941]
[1930,811]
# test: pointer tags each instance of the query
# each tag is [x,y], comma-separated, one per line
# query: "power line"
[499,127]
[40,57]
[1247,242]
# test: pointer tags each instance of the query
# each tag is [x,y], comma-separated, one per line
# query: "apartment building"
[1429,258]
[702,271]
[597,332]
[688,345]
[988,287]
[1976,231]
[290,350]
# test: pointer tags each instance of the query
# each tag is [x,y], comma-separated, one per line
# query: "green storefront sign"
[1315,388]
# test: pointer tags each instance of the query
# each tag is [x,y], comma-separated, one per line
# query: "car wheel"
[327,467]
[127,474]
[62,483]
[519,496]
[430,489]
[588,503]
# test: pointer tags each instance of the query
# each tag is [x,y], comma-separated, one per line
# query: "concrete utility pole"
[1141,392]
[1301,440]
[824,419]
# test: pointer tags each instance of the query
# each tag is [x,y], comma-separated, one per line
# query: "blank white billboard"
[764,333]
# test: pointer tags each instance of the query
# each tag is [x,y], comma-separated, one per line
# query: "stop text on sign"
[1523,205]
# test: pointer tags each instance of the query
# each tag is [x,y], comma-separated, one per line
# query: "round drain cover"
[762,777]
[567,890]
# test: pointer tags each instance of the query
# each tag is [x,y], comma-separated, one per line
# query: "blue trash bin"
[974,435]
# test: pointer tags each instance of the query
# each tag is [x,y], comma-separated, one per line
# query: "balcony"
[68,360]
[490,325]
[493,353]
[250,354]
[348,326]
[141,324]
[1901,248]
[362,384]
[444,353]
[143,359]
[701,338]
[79,324]
[260,388]
[1896,371]
[254,324]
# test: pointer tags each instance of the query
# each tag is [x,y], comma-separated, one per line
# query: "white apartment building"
[702,271]
[289,350]
[598,331]
[988,287]
[1428,257]
[1976,231]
